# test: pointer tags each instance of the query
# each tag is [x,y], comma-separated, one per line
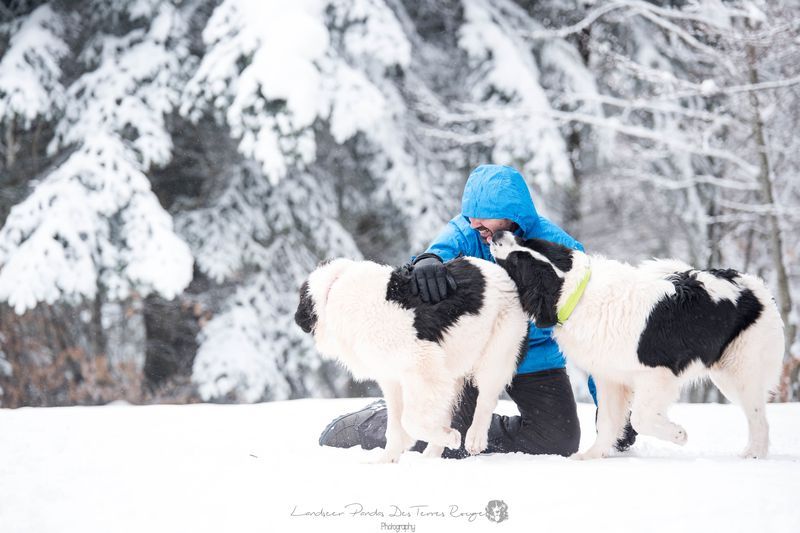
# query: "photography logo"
[497,511]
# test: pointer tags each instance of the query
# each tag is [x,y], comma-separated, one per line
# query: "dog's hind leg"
[753,402]
[750,369]
[654,390]
[612,411]
[746,373]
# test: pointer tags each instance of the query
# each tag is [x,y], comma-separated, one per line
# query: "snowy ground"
[250,468]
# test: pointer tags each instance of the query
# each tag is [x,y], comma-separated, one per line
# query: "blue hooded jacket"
[494,191]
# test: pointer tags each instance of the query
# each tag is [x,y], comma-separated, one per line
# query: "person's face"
[488,226]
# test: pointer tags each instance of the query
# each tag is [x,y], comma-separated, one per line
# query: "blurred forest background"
[170,171]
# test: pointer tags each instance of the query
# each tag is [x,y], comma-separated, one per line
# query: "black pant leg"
[548,414]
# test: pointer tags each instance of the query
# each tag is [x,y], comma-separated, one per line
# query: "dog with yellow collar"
[644,331]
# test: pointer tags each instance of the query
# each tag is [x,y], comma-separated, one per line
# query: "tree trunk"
[776,242]
[11,148]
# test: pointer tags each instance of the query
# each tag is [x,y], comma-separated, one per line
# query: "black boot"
[366,428]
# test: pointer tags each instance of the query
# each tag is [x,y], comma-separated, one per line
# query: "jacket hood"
[495,191]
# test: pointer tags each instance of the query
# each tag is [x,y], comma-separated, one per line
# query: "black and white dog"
[366,316]
[644,331]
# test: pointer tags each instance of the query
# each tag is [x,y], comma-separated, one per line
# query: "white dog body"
[362,314]
[642,332]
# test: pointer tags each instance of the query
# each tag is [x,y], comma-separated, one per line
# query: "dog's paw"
[588,455]
[399,440]
[431,450]
[679,435]
[453,439]
[385,457]
[476,441]
[753,452]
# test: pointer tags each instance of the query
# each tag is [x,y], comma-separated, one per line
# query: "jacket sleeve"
[449,243]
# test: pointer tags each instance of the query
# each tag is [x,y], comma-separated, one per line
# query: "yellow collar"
[564,313]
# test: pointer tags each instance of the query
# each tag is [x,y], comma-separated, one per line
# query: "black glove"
[430,279]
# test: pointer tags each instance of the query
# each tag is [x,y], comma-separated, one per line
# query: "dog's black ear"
[305,316]
[538,287]
[546,315]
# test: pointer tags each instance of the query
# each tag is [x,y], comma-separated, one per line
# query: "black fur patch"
[432,320]
[305,316]
[728,274]
[537,284]
[689,326]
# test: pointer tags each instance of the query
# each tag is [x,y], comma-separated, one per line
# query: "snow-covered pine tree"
[30,74]
[91,227]
[92,223]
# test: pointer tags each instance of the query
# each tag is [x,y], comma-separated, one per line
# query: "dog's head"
[306,315]
[314,293]
[539,269]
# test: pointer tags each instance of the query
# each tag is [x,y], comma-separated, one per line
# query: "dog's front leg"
[397,439]
[434,450]
[654,391]
[490,382]
[477,437]
[612,410]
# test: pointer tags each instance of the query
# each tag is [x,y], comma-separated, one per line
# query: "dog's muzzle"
[502,244]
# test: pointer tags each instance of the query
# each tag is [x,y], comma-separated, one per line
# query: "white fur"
[421,380]
[602,336]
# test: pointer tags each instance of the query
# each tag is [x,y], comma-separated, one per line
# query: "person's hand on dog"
[431,280]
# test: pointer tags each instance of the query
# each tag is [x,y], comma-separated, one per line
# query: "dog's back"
[701,315]
[464,322]
[376,310]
